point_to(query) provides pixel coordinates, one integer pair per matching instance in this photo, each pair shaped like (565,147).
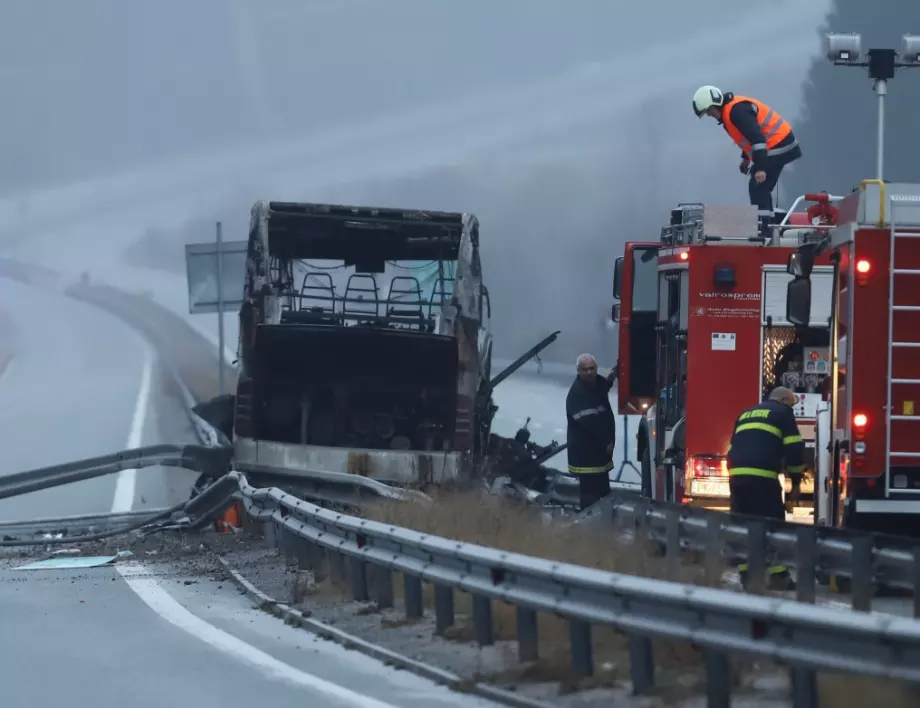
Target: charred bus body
(709,300)
(365,349)
(364,339)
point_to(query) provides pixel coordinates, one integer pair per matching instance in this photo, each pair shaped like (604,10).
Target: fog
(839,125)
(566,128)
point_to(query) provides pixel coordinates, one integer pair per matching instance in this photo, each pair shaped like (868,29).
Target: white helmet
(706,97)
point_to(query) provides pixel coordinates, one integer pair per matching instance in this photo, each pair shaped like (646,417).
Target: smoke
(838,128)
(560,176)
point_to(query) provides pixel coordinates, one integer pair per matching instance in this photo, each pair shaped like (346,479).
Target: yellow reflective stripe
(752,472)
(591,470)
(789,439)
(772,570)
(766,427)
(795,469)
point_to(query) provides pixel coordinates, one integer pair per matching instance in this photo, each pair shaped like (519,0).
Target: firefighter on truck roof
(765,440)
(590,432)
(765,139)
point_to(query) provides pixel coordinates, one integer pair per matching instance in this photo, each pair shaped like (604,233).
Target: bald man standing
(591,432)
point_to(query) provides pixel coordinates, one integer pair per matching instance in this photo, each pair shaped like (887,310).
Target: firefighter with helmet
(765,138)
(766,440)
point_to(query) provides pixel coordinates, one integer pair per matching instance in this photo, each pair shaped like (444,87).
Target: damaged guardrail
(212,461)
(720,622)
(860,560)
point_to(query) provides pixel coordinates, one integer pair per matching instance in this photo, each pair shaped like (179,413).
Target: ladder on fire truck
(893,307)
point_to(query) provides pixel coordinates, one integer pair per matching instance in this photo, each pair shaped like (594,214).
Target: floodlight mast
(845,50)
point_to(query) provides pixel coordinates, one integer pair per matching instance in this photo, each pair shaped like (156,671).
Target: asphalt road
(81,384)
(164,638)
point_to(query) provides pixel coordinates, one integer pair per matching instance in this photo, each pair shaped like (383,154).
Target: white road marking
(125,483)
(161,602)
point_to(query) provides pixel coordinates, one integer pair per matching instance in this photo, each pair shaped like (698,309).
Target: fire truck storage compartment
(362,387)
(775,279)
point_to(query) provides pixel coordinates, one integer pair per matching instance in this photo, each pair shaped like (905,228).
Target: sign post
(214,272)
(220,306)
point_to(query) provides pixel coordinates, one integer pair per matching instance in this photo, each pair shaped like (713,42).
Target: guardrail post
(482,620)
(806,558)
(358,579)
(672,544)
(303,553)
(713,553)
(582,649)
(527,635)
(270,534)
(640,523)
(804,688)
(336,567)
(916,581)
(757,557)
(862,573)
(718,679)
(412,596)
(641,664)
(443,609)
(383,587)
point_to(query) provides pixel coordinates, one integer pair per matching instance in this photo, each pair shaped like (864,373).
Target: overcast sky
(593,155)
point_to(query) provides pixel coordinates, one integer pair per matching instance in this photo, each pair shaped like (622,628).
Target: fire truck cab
(703,334)
(869,425)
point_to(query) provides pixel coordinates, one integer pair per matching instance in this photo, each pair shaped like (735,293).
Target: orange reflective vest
(771,123)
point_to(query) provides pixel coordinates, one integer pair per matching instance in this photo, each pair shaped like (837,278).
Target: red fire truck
(704,335)
(871,466)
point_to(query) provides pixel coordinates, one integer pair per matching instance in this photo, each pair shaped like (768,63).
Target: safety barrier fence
(861,563)
(721,623)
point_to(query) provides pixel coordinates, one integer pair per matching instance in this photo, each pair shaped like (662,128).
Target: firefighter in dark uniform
(766,440)
(591,431)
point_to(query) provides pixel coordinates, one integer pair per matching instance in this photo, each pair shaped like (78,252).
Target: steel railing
(808,638)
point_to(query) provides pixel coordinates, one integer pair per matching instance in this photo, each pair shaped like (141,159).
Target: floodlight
(911,53)
(843,48)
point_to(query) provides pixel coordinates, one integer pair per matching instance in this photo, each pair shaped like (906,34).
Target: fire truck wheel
(644,454)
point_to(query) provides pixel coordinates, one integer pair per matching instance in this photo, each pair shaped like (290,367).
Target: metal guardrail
(807,637)
(208,460)
(817,553)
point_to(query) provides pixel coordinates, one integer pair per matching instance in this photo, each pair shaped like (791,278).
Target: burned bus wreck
(364,345)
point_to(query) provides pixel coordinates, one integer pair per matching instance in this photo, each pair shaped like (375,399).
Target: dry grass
(837,691)
(491,521)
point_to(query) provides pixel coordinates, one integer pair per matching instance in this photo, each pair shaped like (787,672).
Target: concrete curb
(296,618)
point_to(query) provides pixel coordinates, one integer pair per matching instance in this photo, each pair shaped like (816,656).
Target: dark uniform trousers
(765,440)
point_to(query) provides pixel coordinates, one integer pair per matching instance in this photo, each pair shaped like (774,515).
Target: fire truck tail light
(860,420)
(859,448)
(709,467)
(863,266)
(684,255)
